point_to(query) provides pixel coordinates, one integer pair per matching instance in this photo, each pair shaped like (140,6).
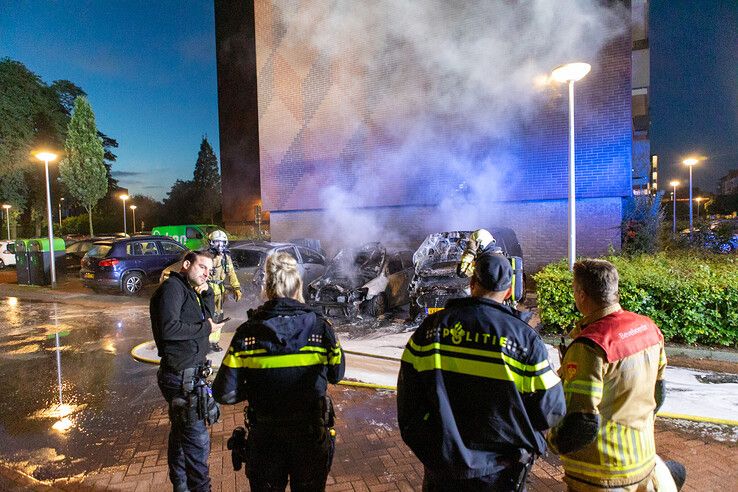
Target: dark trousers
(503,481)
(300,454)
(189,440)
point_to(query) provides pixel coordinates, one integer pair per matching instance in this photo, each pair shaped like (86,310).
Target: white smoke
(444,86)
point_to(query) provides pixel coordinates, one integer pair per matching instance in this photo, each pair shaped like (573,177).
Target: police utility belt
(196,401)
(322,415)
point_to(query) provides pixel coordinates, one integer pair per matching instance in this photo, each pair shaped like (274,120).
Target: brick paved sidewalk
(370,456)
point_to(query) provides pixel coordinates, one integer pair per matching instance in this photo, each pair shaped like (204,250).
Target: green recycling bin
(40,259)
(22,262)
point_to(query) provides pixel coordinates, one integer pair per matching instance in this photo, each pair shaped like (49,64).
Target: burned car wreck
(435,280)
(365,281)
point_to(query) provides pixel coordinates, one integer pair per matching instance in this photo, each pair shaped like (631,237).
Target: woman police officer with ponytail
(281,360)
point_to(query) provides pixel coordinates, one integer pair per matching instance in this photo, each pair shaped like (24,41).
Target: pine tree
(82,169)
(207,181)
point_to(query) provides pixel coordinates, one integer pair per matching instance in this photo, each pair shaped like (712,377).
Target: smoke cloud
(442,88)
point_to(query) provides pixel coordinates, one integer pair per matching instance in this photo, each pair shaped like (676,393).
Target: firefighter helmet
(483,238)
(218,241)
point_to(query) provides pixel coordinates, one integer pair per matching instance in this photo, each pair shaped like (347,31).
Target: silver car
(249,259)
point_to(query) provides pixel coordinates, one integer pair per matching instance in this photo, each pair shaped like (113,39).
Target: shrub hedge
(692,297)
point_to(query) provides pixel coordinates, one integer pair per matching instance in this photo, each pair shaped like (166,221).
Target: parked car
(74,252)
(127,264)
(435,280)
(368,280)
(249,259)
(7,253)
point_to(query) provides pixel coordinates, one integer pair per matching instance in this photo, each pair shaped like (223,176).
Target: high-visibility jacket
(222,269)
(280,360)
(611,370)
(475,387)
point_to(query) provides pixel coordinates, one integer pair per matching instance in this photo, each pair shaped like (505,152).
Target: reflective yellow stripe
(582,387)
(307,356)
(662,358)
(512,260)
(334,358)
(276,361)
(482,353)
(490,370)
(603,471)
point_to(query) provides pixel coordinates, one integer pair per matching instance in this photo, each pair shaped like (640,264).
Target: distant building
(645,166)
(729,183)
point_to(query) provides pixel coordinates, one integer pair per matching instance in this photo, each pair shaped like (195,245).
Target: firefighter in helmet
(479,241)
(222,269)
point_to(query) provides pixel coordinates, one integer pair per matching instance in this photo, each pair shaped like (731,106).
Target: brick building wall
(315,125)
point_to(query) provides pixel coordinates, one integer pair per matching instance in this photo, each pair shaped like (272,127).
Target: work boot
(678,473)
(214,347)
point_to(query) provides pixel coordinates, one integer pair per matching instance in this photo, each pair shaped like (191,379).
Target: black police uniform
(474,392)
(179,321)
(281,360)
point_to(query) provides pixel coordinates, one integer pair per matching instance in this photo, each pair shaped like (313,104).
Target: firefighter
(479,242)
(181,312)
(281,360)
(475,391)
(613,373)
(222,269)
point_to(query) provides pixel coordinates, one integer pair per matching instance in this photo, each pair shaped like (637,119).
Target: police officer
(475,389)
(613,373)
(181,312)
(222,269)
(281,360)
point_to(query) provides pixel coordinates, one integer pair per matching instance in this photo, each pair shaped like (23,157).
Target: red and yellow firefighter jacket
(611,369)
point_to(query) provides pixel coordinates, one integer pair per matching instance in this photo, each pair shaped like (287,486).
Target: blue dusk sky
(148,68)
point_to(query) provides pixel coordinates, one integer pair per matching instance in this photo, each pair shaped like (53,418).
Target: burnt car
(435,280)
(369,280)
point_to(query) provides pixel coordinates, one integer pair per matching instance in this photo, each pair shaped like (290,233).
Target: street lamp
(674,184)
(124,198)
(60,207)
(48,157)
(570,73)
(7,217)
(690,162)
(133,209)
(698,200)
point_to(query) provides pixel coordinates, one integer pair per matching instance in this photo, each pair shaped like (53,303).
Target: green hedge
(692,297)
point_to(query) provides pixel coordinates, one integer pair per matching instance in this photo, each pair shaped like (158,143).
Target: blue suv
(128,264)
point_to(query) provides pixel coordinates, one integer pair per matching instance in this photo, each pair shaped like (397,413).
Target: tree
(178,207)
(82,169)
(206,182)
(30,115)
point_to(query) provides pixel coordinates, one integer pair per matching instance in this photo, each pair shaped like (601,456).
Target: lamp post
(7,217)
(60,207)
(133,210)
(690,164)
(124,198)
(698,200)
(674,184)
(570,73)
(47,157)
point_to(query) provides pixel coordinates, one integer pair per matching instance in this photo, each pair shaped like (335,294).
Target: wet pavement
(69,385)
(78,412)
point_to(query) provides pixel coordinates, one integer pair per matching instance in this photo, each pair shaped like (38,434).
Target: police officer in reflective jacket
(181,312)
(475,390)
(281,360)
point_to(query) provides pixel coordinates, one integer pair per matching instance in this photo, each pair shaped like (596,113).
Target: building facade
(327,144)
